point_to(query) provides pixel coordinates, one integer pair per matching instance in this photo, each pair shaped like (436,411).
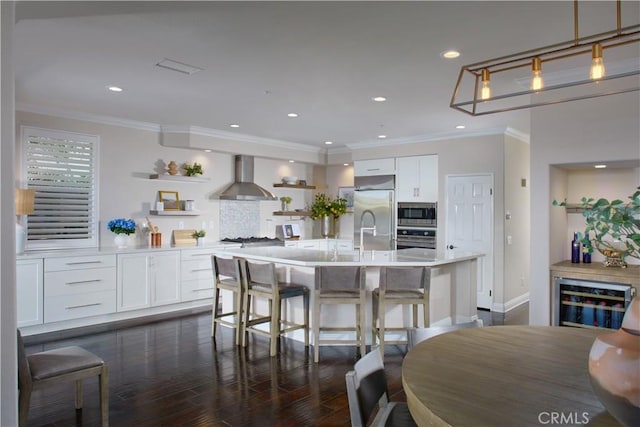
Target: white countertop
(109,250)
(313,258)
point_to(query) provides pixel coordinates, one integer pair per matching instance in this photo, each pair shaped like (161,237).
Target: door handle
(451,247)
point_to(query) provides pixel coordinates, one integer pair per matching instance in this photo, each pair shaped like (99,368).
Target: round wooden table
(503,376)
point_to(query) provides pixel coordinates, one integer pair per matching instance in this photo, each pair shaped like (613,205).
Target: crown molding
(88,117)
(232,136)
(436,137)
(524,137)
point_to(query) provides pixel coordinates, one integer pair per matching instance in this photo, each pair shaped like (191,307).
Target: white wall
(8,316)
(602,130)
(128,156)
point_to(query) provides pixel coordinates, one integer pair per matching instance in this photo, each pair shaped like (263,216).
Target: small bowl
(290,179)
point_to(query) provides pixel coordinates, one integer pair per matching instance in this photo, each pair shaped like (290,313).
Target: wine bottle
(575,249)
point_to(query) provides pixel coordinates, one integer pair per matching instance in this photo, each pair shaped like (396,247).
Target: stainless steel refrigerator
(374,205)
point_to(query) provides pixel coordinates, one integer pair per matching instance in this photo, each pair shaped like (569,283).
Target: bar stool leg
(275,325)
(381,318)
(239,313)
(361,308)
(374,318)
(316,327)
(306,299)
(214,311)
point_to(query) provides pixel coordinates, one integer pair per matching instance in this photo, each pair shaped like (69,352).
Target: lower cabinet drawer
(66,307)
(197,270)
(79,281)
(192,290)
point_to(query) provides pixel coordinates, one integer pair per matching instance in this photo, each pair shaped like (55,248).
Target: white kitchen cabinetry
(197,273)
(374,167)
(342,245)
(148,279)
(79,287)
(29,275)
(417,179)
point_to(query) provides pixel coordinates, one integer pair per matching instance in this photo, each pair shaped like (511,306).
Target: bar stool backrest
(397,278)
(261,274)
(339,278)
(229,268)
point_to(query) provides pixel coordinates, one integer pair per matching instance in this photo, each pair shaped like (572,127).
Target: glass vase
(327,226)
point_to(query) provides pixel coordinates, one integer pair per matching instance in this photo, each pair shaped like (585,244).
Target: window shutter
(61,168)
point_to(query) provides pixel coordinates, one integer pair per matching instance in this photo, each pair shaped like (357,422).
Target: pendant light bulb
(536,78)
(597,65)
(485,91)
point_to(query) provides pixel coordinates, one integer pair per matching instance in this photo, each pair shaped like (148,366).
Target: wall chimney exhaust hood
(243,187)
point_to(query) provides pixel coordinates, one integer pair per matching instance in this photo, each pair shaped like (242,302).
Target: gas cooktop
(255,241)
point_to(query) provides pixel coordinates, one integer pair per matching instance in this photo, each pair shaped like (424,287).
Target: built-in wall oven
(417,222)
(420,237)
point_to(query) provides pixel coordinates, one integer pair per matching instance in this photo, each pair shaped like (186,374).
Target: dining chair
(260,281)
(416,335)
(399,286)
(59,365)
(226,275)
(367,390)
(339,285)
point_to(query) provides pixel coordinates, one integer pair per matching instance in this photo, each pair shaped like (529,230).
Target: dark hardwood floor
(171,373)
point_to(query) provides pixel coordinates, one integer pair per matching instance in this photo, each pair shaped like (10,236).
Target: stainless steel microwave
(417,214)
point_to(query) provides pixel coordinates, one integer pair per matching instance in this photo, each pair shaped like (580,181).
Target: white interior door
(469,213)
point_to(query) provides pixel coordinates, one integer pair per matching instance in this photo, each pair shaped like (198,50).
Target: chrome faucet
(362,229)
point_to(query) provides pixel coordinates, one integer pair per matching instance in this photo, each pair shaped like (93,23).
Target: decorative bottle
(575,249)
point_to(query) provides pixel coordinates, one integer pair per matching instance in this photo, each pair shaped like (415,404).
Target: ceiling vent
(180,67)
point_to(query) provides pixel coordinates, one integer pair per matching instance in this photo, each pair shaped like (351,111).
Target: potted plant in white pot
(199,236)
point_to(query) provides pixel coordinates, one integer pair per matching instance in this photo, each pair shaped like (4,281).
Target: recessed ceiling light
(345,164)
(382,136)
(450,54)
(292,161)
(328,142)
(600,166)
(234,125)
(460,127)
(379,98)
(207,151)
(292,115)
(114,88)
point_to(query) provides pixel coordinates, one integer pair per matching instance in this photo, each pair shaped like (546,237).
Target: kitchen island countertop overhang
(316,258)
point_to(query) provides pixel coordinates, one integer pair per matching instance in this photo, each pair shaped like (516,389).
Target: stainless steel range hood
(244,188)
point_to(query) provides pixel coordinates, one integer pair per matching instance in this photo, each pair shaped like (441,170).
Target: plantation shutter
(61,168)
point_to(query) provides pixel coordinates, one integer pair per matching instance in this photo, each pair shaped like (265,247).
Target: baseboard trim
(40,338)
(511,304)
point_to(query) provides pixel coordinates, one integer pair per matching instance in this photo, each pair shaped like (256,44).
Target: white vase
(200,241)
(121,240)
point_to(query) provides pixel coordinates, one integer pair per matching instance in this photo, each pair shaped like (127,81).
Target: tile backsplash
(239,219)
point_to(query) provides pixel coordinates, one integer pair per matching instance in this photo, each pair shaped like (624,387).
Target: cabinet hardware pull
(201,269)
(82,306)
(83,281)
(195,255)
(83,262)
(374,169)
(201,289)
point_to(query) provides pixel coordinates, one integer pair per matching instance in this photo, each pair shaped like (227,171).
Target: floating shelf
(574,208)
(307,187)
(180,178)
(174,213)
(292,213)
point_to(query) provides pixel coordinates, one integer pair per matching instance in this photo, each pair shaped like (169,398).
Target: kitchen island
(453,279)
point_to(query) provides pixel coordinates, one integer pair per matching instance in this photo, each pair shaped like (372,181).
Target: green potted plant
(612,227)
(285,202)
(194,169)
(199,236)
(328,210)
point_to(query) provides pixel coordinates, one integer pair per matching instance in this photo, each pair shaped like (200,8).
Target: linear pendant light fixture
(566,71)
